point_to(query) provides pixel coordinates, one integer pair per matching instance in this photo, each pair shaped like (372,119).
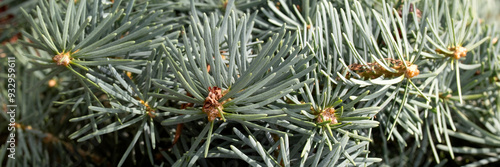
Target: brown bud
(62,59)
(460,52)
(211,106)
(412,71)
(327,115)
(375,70)
(52,83)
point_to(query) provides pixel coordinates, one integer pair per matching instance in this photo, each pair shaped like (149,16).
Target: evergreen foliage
(250,83)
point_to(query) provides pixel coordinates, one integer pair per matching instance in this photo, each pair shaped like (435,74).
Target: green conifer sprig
(485,140)
(76,38)
(243,84)
(450,43)
(325,94)
(130,105)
